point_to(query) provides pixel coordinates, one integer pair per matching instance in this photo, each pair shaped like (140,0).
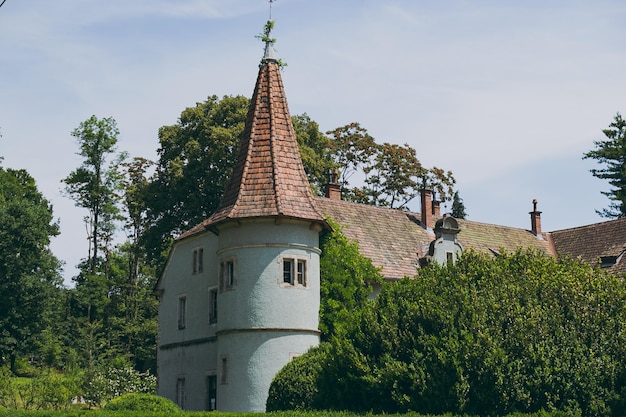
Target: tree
(458,208)
(93,185)
(196,156)
(351,148)
(29,273)
(134,307)
(392,180)
(391,174)
(612,153)
(346,279)
(314,151)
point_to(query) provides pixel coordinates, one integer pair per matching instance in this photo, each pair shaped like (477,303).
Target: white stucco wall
(190,352)
(194,363)
(262,322)
(254,358)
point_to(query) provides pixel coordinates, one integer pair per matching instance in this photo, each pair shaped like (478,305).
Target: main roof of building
(395,239)
(600,242)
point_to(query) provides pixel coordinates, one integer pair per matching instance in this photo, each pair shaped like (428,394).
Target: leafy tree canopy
(611,152)
(391,174)
(29,273)
(347,279)
(94,184)
(196,156)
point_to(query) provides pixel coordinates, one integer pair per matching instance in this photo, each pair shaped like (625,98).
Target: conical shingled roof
(268,179)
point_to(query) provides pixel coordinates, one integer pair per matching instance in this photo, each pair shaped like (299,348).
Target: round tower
(267,229)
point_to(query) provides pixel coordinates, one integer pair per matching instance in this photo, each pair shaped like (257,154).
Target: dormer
(445,249)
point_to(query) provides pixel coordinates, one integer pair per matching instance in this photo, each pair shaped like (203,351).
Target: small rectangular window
(227,274)
(180,392)
(197,261)
(182,312)
(212,306)
(450,258)
(288,271)
(301,273)
(224,377)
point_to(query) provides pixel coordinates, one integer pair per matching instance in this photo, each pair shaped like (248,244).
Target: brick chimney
(427,207)
(333,189)
(535,220)
(436,208)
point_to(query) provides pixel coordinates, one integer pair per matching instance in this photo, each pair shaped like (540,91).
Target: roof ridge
(586,226)
(274,156)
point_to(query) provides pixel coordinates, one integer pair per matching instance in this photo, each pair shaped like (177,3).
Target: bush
(295,386)
(107,383)
(487,336)
(142,402)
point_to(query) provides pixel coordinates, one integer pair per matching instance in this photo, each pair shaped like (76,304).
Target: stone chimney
(333,189)
(427,207)
(535,220)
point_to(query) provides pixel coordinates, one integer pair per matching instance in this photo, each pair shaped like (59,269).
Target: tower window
(224,377)
(294,272)
(301,272)
(288,271)
(227,274)
(212,391)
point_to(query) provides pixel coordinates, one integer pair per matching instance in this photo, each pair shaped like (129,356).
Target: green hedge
(104,413)
(487,336)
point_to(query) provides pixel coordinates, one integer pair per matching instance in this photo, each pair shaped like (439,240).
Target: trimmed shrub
(295,385)
(142,402)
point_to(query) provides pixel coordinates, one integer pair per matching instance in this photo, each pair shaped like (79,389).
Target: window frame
(450,258)
(182,312)
(294,272)
(213,312)
(197,260)
(227,274)
(224,367)
(180,391)
(288,271)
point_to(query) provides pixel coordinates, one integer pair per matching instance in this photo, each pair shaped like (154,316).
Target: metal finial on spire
(269,41)
(269,52)
(270,2)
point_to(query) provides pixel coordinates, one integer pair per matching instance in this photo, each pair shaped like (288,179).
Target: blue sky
(506,94)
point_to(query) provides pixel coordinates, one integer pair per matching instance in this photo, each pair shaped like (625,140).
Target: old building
(240,294)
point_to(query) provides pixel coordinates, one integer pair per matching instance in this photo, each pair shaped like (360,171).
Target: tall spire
(268,179)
